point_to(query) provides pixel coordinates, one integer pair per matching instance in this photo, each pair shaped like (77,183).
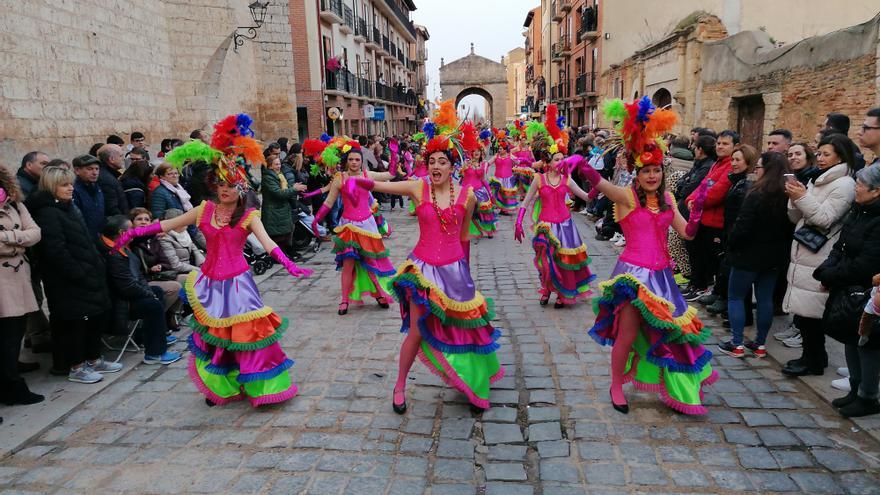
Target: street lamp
(258,14)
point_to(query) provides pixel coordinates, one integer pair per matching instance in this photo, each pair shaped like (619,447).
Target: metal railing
(386,45)
(334,6)
(392,49)
(348,17)
(589,21)
(377,37)
(343,80)
(402,16)
(361,28)
(585,83)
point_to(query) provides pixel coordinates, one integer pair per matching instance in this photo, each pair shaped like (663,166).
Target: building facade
(515,62)
(418,55)
(368,73)
(536,88)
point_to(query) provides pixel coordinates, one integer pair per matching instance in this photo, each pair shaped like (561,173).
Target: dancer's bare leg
(628,322)
(408,351)
(347,282)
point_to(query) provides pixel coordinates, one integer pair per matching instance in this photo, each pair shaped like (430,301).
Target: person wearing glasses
(137,140)
(869,134)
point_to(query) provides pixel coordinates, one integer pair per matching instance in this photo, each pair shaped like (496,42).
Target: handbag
(811,238)
(843,310)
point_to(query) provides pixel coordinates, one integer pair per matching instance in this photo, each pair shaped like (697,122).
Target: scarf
(283,180)
(180,192)
(181,238)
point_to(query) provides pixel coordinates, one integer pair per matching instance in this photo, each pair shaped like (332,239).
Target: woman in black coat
(757,246)
(135,181)
(74,278)
(849,268)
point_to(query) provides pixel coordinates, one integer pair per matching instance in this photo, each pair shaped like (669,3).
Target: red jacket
(713,208)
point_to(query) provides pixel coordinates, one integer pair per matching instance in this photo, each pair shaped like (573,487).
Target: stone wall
(73,72)
(799,84)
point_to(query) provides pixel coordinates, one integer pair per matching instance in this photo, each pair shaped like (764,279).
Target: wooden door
(750,120)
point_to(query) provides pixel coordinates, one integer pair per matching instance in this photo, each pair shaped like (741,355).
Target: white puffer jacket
(828,199)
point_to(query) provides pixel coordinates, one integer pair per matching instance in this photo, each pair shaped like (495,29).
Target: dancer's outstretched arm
(187,219)
(614,193)
(525,207)
(406,188)
(256,226)
(577,191)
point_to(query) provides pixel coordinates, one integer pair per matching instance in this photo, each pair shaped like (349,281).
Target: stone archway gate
(474,74)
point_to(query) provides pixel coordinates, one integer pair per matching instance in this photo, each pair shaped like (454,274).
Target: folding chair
(129,345)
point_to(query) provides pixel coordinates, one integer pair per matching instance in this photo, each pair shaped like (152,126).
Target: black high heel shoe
(399,409)
(209,402)
(383,303)
(544,300)
(558,304)
(343,308)
(622,408)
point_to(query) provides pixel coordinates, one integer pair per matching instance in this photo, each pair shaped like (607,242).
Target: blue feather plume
(646,108)
(429,129)
(243,122)
(325,138)
(560,121)
(485,134)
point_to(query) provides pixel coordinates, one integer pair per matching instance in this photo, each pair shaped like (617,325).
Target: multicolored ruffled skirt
(362,242)
(505,193)
(562,261)
(234,349)
(523,176)
(668,356)
(458,340)
(381,224)
(484,217)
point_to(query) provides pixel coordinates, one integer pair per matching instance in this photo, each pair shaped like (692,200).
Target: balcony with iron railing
(589,24)
(360,30)
(392,50)
(331,11)
(386,44)
(555,13)
(585,85)
(561,49)
(565,5)
(347,26)
(402,16)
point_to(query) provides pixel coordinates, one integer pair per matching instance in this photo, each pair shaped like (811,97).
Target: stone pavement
(551,429)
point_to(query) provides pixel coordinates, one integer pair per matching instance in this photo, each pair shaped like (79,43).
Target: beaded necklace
(440,213)
(222,217)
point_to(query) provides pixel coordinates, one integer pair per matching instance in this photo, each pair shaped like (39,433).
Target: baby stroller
(258,259)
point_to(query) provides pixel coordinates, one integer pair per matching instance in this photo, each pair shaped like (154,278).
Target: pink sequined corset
(439,245)
(356,209)
(646,233)
(553,208)
(471,178)
(225,258)
(503,167)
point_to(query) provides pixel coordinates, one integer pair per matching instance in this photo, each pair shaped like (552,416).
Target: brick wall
(74,72)
(798,99)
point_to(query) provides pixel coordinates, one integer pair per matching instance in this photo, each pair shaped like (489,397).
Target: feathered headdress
(446,134)
(558,140)
(231,142)
(639,124)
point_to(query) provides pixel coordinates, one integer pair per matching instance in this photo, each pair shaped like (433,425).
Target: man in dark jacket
(704,157)
(29,173)
(132,297)
(87,196)
(112,158)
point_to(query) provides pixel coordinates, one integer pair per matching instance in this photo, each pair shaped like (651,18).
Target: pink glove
(584,169)
(291,267)
(518,232)
(322,212)
(393,157)
(593,194)
(353,183)
(693,224)
(128,235)
(307,195)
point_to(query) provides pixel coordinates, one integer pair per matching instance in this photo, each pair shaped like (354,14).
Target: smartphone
(789,177)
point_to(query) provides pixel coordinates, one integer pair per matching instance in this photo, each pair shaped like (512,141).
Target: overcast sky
(494,26)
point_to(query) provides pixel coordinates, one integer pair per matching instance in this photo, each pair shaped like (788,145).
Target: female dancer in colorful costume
(446,319)
(560,255)
(361,255)
(234,349)
(503,183)
(473,175)
(656,337)
(524,160)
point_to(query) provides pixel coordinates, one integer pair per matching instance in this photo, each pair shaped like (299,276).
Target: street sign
(369,111)
(524,109)
(379,113)
(334,113)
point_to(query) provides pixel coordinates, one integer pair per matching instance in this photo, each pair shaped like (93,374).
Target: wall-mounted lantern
(258,14)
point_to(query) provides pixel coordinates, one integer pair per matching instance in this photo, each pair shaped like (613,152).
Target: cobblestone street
(551,429)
